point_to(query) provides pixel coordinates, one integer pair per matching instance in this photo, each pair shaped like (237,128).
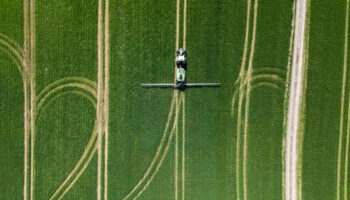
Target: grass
(323,99)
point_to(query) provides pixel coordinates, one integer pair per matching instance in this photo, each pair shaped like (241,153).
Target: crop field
(76,124)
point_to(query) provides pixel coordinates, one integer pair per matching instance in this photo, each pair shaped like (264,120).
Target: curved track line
(269,70)
(270,77)
(80,172)
(73,79)
(246,115)
(13,42)
(52,91)
(265,83)
(165,151)
(10,49)
(16,62)
(93,135)
(143,179)
(67,85)
(341,126)
(81,160)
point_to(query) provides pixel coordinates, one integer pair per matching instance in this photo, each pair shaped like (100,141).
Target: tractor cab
(181,58)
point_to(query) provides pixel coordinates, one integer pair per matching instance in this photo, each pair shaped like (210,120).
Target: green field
(75,123)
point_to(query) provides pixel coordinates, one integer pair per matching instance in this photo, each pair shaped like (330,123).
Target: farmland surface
(75,123)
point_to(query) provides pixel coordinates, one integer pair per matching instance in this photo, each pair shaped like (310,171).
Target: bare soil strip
(26,103)
(31,62)
(183,146)
(184,25)
(106,97)
(294,106)
(99,109)
(341,126)
(176,160)
(246,116)
(240,92)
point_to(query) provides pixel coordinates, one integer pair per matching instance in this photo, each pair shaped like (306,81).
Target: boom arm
(203,84)
(161,85)
(173,85)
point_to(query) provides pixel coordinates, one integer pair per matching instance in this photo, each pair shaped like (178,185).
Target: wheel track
(341,125)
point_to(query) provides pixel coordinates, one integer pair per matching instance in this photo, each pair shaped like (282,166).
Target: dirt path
(294,106)
(285,103)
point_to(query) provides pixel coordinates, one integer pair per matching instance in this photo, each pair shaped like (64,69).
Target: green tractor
(180,77)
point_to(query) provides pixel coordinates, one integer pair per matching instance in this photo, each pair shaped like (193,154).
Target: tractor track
(341,125)
(148,176)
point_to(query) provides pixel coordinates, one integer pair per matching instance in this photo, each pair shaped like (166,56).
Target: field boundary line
(286,95)
(341,126)
(301,128)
